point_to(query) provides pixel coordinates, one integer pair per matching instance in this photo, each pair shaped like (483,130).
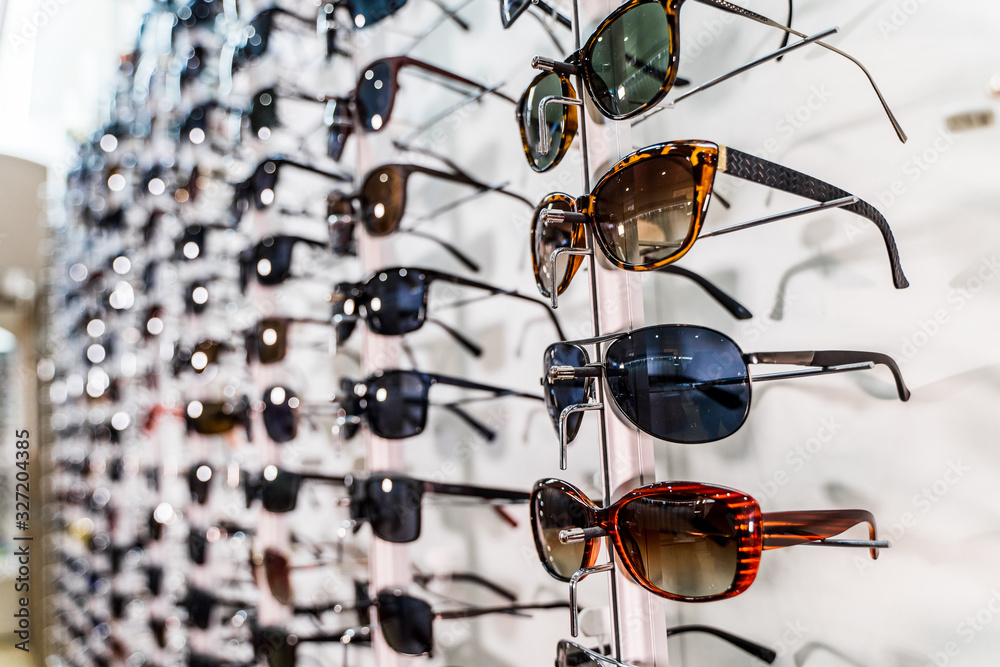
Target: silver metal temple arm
(729,7)
(563,420)
(558,252)
(544,140)
(822,206)
(826,370)
(739,70)
(862,544)
(574,609)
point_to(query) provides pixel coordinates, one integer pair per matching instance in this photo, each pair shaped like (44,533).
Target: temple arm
(468,384)
(468,577)
(754,649)
(830,359)
(751,168)
(427,67)
(483,611)
(466,179)
(337,176)
(729,303)
(786,529)
(470,491)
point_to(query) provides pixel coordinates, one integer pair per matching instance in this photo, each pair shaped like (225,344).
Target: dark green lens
(548,85)
(630,61)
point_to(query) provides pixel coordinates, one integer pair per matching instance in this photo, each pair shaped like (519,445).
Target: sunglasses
(199,356)
(407,622)
(571,654)
(257,35)
(270,259)
(198,478)
(381,202)
(369,106)
(217,417)
(648,210)
(198,539)
(267,341)
(391,503)
(680,383)
(263,113)
(628,66)
(394,302)
(394,403)
(200,604)
(679,540)
(280,648)
(259,188)
(511,10)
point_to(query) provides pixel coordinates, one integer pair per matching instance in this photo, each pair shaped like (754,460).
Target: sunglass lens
(393,507)
(631,60)
(211,417)
(401,298)
(344,300)
(683,543)
(397,404)
(258,34)
(375,93)
(197,547)
(278,576)
(407,623)
(263,181)
(281,493)
(272,259)
(280,421)
(351,407)
(550,122)
(264,112)
(561,394)
(554,510)
(679,383)
(270,340)
(509,10)
(548,237)
(383,196)
(645,212)
(198,477)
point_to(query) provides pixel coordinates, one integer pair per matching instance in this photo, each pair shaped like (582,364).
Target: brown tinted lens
(683,544)
(553,511)
(278,576)
(383,196)
(645,212)
(214,417)
(547,238)
(271,340)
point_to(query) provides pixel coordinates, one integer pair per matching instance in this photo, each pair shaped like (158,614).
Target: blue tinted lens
(369,12)
(375,93)
(561,394)
(679,383)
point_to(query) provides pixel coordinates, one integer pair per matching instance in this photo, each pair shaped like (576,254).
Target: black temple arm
(729,303)
(754,649)
(480,428)
(467,577)
(468,384)
(483,611)
(828,358)
(470,491)
(755,169)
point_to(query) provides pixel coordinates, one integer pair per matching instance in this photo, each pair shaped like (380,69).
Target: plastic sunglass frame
(822,362)
(579,63)
(706,159)
(754,530)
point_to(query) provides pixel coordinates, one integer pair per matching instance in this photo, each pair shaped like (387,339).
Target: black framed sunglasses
(267,341)
(394,302)
(199,477)
(407,622)
(394,404)
(269,260)
(392,503)
(198,357)
(679,383)
(200,604)
(259,188)
(571,654)
(256,38)
(217,417)
(649,209)
(628,66)
(280,648)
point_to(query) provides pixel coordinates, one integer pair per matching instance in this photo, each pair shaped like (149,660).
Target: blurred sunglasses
(217,417)
(394,403)
(198,478)
(683,541)
(199,356)
(680,383)
(380,204)
(270,259)
(280,649)
(191,244)
(648,210)
(511,10)
(256,38)
(394,302)
(259,188)
(571,654)
(200,604)
(267,341)
(407,622)
(391,503)
(198,539)
(369,106)
(628,66)
(263,114)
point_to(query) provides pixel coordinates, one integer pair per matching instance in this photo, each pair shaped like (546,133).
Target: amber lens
(278,576)
(682,543)
(554,510)
(630,61)
(546,238)
(548,85)
(383,196)
(645,212)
